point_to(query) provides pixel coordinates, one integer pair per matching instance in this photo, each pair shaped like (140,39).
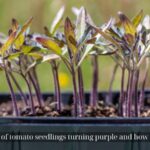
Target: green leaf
(81,24)
(86,52)
(25,26)
(57,21)
(104,50)
(107,37)
(127,24)
(13,56)
(46,58)
(137,19)
(31,49)
(26,49)
(19,42)
(20,36)
(56,39)
(47,32)
(15,25)
(8,43)
(90,43)
(35,55)
(50,44)
(70,36)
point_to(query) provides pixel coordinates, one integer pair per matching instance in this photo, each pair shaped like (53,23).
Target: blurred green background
(44,11)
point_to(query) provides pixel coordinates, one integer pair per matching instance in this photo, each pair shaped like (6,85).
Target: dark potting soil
(50,110)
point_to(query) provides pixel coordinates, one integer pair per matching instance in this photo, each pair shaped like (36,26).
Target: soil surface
(50,110)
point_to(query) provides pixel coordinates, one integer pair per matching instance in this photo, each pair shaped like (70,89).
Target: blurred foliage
(44,11)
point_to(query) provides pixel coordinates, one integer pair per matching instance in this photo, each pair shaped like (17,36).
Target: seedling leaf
(8,43)
(47,33)
(146,22)
(15,25)
(137,19)
(50,44)
(31,49)
(70,36)
(81,24)
(46,58)
(13,56)
(127,24)
(87,50)
(20,37)
(57,21)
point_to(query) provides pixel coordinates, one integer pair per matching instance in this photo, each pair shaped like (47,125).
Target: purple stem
(57,85)
(94,93)
(135,92)
(31,102)
(75,93)
(130,94)
(81,91)
(74,82)
(13,97)
(19,88)
(30,95)
(126,94)
(41,104)
(122,94)
(141,99)
(37,84)
(109,100)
